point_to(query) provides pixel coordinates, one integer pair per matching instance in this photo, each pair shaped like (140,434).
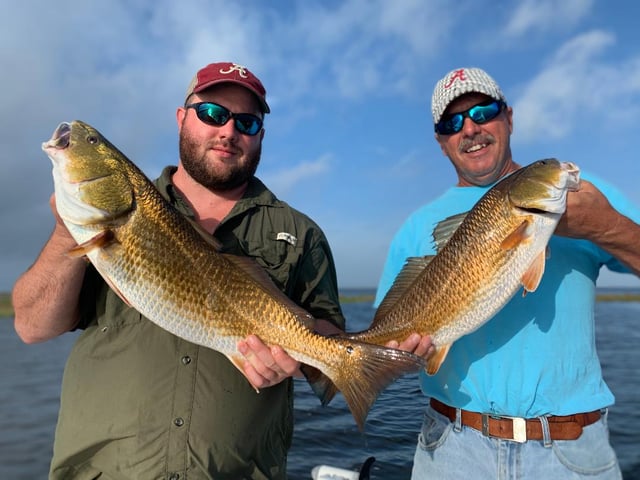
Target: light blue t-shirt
(537,356)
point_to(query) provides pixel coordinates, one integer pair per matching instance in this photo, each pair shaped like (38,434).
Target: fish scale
(173,274)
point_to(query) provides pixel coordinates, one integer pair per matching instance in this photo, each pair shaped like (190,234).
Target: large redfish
(483,258)
(126,229)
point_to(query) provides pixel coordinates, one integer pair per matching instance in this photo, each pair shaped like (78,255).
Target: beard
(198,168)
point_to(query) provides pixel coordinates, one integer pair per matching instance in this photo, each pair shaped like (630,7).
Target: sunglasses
(217,115)
(480,114)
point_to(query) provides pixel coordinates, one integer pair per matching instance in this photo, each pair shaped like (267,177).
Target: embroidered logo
(287,237)
(234,67)
(457,75)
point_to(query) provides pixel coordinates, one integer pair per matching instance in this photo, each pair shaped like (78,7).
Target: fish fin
(101,240)
(250,267)
(368,373)
(210,239)
(119,293)
(320,383)
(515,238)
(445,229)
(531,278)
(238,362)
(435,361)
(413,267)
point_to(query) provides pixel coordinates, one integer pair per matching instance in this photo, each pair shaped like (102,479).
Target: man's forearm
(45,297)
(623,242)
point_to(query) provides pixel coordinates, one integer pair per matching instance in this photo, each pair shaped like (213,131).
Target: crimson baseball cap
(227,72)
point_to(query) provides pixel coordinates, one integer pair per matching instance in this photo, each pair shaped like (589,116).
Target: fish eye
(92,139)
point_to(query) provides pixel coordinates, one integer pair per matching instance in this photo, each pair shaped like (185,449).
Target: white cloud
(283,181)
(576,88)
(535,16)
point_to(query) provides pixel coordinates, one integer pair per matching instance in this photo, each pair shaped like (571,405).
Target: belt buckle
(518,424)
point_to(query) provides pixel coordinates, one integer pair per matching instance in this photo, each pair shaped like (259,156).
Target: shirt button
(186,360)
(174,476)
(178,422)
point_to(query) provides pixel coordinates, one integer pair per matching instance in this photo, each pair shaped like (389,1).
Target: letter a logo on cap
(457,75)
(234,67)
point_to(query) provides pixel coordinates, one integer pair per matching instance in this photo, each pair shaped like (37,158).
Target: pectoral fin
(435,361)
(515,238)
(531,278)
(101,240)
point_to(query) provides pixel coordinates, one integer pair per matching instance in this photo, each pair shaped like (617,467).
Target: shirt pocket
(435,430)
(116,328)
(276,256)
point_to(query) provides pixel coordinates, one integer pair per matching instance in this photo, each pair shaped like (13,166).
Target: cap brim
(263,104)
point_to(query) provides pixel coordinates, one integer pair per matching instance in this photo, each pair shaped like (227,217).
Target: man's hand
(589,214)
(416,344)
(266,366)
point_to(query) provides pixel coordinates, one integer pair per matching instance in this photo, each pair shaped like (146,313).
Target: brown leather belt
(568,427)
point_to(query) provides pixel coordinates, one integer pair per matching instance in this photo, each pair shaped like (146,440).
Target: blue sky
(349,140)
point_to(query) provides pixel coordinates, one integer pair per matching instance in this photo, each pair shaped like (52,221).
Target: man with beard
(139,402)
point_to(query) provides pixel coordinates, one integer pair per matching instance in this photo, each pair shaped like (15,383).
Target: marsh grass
(6,310)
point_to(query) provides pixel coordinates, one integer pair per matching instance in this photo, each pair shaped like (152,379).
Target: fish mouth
(573,176)
(60,139)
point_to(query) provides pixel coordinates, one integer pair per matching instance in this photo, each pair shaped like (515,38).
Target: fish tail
(365,375)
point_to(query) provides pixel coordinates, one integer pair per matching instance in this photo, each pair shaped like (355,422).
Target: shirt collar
(256,194)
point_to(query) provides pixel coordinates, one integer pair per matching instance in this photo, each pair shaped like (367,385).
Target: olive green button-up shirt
(140,403)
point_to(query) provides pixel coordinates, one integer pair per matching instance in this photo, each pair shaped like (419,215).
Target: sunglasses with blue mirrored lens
(480,114)
(217,115)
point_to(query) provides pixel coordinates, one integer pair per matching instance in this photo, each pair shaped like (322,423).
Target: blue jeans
(448,450)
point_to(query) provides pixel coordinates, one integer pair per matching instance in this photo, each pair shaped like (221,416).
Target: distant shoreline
(6,310)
